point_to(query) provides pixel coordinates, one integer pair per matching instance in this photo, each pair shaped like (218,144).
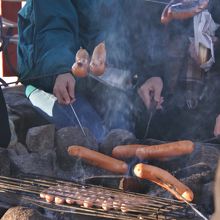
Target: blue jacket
(50,33)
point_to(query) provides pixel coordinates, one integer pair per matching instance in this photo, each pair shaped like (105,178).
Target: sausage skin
(98,159)
(98,60)
(182,9)
(172,149)
(164,179)
(81,66)
(126,151)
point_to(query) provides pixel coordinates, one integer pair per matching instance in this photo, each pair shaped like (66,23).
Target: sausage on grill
(98,159)
(172,149)
(126,151)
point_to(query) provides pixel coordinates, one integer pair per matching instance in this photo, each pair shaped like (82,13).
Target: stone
(33,163)
(205,153)
(116,137)
(21,111)
(23,213)
(14,138)
(18,148)
(40,139)
(68,136)
(5,163)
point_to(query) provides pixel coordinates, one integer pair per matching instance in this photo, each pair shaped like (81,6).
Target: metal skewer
(188,203)
(77,118)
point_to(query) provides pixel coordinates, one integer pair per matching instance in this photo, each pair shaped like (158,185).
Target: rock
(205,153)
(14,139)
(68,136)
(22,213)
(40,139)
(205,198)
(33,163)
(21,111)
(4,162)
(116,137)
(18,148)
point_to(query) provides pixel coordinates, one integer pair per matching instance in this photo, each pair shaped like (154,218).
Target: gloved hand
(64,88)
(152,89)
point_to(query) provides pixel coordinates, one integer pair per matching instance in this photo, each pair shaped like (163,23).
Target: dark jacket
(50,33)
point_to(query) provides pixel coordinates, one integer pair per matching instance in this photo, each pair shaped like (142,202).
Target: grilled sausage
(49,198)
(70,201)
(172,149)
(98,60)
(59,200)
(182,9)
(81,66)
(97,159)
(126,151)
(164,179)
(107,204)
(88,202)
(42,195)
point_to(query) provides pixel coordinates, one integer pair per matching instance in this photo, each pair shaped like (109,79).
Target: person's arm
(91,22)
(48,41)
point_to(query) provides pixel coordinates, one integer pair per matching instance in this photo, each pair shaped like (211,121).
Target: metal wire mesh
(149,208)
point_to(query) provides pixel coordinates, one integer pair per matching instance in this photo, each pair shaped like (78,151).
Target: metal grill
(150,208)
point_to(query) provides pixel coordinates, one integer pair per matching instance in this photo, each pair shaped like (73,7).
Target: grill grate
(149,208)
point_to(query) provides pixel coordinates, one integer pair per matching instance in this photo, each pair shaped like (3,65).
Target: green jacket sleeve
(49,37)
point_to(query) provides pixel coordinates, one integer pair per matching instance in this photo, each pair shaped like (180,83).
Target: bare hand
(64,88)
(217,126)
(153,86)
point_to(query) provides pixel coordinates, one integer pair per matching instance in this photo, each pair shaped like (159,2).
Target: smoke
(137,42)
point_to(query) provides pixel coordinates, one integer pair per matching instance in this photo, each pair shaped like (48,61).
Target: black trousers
(5,134)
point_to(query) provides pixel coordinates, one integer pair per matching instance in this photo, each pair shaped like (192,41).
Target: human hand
(217,126)
(151,91)
(64,88)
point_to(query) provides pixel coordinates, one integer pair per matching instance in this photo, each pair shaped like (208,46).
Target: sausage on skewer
(98,60)
(164,179)
(81,66)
